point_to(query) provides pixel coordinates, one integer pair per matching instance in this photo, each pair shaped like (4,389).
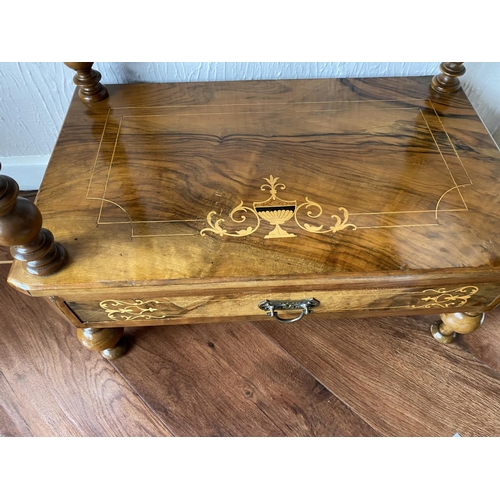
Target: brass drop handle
(273,306)
(274,314)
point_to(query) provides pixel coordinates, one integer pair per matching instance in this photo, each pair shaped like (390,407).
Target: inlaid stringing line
(131,222)
(413,211)
(102,200)
(247,112)
(396,225)
(148,221)
(330,110)
(163,235)
(443,195)
(98,152)
(219,105)
(109,170)
(451,142)
(262,104)
(445,162)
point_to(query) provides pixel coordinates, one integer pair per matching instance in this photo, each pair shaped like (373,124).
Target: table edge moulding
(100,310)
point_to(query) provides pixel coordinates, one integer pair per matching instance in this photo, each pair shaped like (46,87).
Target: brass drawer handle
(273,306)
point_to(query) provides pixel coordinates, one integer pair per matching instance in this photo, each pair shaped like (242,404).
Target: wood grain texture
(396,376)
(12,423)
(388,374)
(229,380)
(52,386)
(390,151)
(485,344)
(5,257)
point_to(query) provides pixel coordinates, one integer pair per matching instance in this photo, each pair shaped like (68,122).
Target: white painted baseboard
(28,171)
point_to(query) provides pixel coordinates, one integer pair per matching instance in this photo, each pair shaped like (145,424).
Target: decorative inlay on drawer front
(129,310)
(441,297)
(156,309)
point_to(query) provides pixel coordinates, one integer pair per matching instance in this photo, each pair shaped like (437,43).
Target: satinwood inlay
(277,211)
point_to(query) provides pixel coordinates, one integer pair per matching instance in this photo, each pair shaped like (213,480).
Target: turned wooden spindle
(445,331)
(447,81)
(21,229)
(88,81)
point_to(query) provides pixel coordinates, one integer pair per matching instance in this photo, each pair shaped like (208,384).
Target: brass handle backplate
(273,306)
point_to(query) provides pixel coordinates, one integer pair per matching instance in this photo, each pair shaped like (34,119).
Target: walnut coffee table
(262,200)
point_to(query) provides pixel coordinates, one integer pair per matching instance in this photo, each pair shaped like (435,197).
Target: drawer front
(160,310)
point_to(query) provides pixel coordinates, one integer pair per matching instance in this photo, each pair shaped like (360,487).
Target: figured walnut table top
(271,183)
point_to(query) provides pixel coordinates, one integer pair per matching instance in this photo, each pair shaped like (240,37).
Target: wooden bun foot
(442,338)
(106,340)
(445,331)
(115,352)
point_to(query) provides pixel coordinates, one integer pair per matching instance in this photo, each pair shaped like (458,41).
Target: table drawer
(163,309)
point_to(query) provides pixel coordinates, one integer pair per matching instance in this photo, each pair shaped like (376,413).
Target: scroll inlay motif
(441,297)
(277,211)
(131,310)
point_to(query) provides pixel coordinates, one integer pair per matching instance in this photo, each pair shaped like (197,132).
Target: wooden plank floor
(339,377)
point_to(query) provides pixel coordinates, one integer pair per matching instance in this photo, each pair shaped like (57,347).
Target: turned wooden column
(21,229)
(445,331)
(90,89)
(447,81)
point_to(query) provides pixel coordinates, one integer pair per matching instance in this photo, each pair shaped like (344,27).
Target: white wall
(34,97)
